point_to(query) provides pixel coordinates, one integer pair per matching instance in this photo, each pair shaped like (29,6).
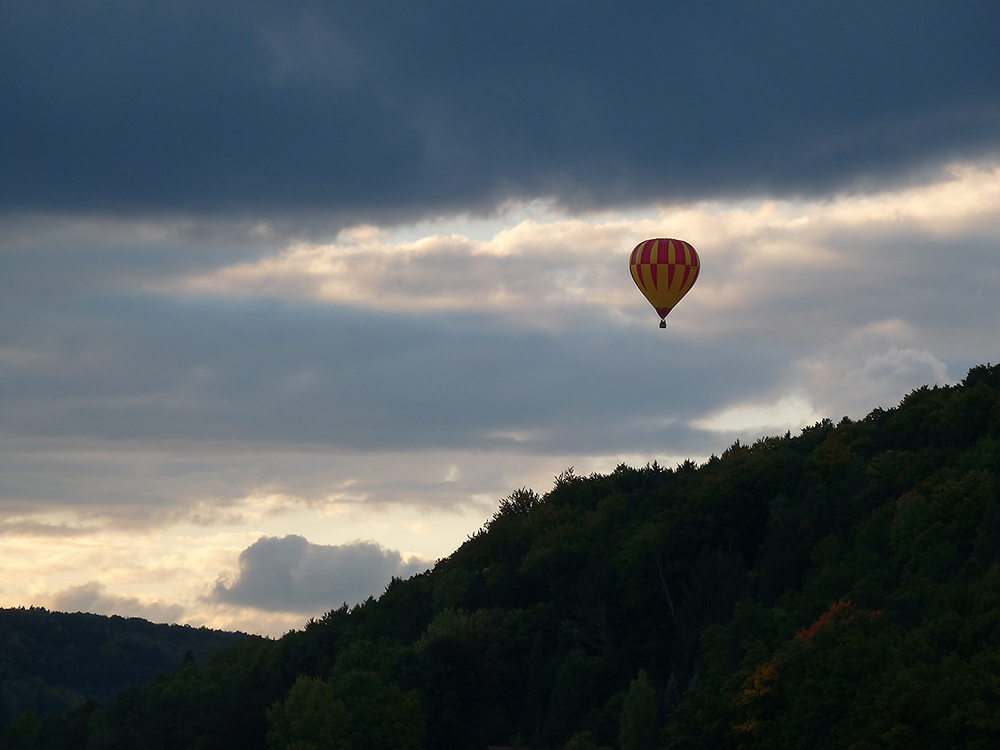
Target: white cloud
(787,413)
(528,268)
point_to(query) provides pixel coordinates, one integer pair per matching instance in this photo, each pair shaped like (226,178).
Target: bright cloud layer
(754,258)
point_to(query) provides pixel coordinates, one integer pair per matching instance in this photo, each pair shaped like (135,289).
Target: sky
(293,293)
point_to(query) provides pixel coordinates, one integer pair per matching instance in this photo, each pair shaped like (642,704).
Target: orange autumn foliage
(841,611)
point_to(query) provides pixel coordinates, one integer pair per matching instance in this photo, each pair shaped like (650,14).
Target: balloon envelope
(664,269)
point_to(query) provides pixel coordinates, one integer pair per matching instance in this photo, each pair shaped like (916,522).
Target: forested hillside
(838,588)
(50,661)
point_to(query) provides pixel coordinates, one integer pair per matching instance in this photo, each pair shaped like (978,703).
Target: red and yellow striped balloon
(664,270)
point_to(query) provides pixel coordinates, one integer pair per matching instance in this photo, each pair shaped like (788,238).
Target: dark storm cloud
(290,574)
(361,108)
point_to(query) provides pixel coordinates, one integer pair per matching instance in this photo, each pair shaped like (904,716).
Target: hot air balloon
(664,270)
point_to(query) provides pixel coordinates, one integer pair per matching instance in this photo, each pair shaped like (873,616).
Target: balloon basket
(663,324)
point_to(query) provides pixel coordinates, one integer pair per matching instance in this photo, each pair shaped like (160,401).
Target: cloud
(153,383)
(786,413)
(402,109)
(93,597)
(172,392)
(290,574)
(559,266)
(549,271)
(370,342)
(854,388)
(28,527)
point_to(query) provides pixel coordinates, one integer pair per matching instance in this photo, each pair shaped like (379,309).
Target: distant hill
(50,661)
(839,588)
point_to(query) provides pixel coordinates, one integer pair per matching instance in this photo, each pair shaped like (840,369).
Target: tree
(640,715)
(23,731)
(382,718)
(311,718)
